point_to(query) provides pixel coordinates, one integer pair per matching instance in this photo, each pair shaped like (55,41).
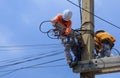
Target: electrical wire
(95,15)
(28,57)
(79,2)
(34,45)
(117,51)
(28,67)
(28,47)
(41,66)
(28,60)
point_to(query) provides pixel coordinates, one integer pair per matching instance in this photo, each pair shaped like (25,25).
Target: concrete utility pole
(87,24)
(89,67)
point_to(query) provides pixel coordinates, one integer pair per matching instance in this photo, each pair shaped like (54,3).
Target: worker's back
(104,35)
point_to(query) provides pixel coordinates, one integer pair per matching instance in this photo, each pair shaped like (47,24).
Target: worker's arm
(55,19)
(68,29)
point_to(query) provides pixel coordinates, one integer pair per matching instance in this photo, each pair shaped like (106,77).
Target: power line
(79,2)
(28,57)
(22,47)
(28,60)
(48,66)
(43,67)
(117,51)
(95,15)
(34,45)
(28,67)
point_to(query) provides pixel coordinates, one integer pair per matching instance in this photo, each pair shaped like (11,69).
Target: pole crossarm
(99,66)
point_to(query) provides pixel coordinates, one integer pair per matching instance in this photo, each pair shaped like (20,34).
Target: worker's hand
(53,23)
(67,33)
(63,34)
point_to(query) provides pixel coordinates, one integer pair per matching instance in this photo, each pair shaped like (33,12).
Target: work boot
(72,64)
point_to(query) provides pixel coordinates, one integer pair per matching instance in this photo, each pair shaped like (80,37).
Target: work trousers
(70,49)
(67,48)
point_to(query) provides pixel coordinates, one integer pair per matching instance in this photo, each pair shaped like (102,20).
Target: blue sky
(19,25)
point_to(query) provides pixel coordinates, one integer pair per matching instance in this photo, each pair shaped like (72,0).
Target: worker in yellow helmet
(103,43)
(64,20)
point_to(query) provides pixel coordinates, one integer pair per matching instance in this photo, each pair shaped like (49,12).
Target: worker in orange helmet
(103,43)
(64,20)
